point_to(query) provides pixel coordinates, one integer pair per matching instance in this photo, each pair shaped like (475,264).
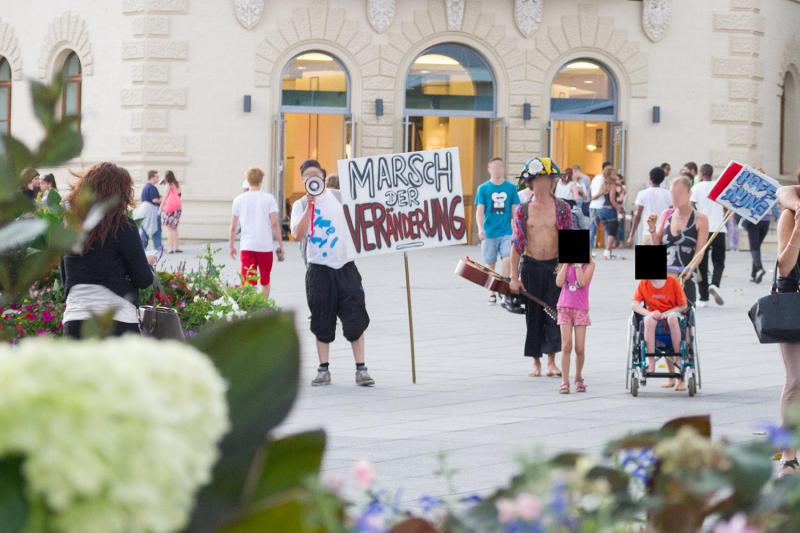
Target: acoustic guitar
(488,278)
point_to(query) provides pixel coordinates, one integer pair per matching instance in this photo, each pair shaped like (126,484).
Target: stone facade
(164,80)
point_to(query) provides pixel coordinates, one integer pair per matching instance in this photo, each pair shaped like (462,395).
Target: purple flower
(472,498)
(779,437)
(191,333)
(29,308)
(429,503)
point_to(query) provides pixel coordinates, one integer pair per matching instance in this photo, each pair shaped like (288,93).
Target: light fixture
(247,103)
(314,56)
(588,81)
(436,59)
(379,107)
(526,111)
(424,71)
(580,65)
(591,147)
(573,88)
(591,125)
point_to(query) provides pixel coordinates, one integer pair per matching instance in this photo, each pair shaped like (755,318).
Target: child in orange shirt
(661,302)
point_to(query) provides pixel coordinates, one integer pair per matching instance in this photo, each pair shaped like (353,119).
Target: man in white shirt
(715,214)
(333,283)
(654,199)
(597,203)
(256,213)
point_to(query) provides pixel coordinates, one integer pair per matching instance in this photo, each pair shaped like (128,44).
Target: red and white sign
(745,191)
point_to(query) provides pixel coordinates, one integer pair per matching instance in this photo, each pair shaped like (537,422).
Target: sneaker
(713,290)
(607,254)
(512,304)
(702,303)
(323,378)
(363,379)
(492,299)
(759,275)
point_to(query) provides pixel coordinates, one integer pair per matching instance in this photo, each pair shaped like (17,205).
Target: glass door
(618,146)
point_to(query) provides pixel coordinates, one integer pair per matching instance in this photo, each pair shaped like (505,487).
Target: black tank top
(680,247)
(790,283)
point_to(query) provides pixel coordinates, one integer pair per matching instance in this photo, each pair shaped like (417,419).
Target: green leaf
(751,468)
(20,232)
(13,504)
(19,158)
(45,98)
(287,463)
(286,515)
(260,360)
(62,143)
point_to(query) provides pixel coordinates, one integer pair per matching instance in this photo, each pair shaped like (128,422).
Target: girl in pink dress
(573,315)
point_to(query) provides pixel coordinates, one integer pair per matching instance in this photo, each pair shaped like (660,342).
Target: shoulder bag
(159,322)
(776,316)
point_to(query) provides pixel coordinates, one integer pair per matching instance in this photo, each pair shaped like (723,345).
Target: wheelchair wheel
(634,386)
(691,386)
(696,358)
(629,349)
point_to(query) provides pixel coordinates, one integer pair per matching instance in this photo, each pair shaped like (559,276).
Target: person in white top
(654,199)
(256,212)
(571,190)
(333,283)
(667,168)
(597,202)
(715,214)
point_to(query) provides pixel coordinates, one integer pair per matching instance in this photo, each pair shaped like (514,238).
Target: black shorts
(335,293)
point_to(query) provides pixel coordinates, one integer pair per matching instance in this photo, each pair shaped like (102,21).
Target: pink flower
(529,508)
(364,473)
(506,510)
(29,308)
(47,316)
(737,524)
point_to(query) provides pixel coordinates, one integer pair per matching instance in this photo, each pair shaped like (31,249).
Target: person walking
(256,212)
(171,209)
(691,168)
(715,250)
(596,203)
(333,282)
(570,189)
(665,184)
(50,198)
(789,281)
(111,267)
(682,229)
(586,182)
(608,214)
(653,199)
(495,201)
(148,211)
(573,319)
(622,192)
(534,256)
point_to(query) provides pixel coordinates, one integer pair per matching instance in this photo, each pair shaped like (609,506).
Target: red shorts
(256,264)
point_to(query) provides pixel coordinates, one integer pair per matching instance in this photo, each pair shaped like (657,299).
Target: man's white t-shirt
(597,185)
(709,208)
(525,195)
(330,244)
(653,200)
(564,190)
(254,209)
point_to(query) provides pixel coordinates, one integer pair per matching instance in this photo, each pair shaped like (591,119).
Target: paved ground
(473,399)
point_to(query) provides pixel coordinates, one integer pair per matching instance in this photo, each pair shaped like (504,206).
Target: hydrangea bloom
(116,435)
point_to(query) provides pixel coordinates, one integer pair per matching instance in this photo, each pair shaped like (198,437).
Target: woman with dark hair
(50,198)
(171,209)
(111,268)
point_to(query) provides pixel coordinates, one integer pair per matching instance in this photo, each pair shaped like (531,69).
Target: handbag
(159,322)
(776,316)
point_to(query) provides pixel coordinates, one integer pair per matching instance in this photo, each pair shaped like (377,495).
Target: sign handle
(684,276)
(410,321)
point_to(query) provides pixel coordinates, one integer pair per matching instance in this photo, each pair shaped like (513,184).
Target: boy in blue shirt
(495,202)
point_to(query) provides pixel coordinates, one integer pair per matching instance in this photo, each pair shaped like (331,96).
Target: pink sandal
(580,386)
(564,388)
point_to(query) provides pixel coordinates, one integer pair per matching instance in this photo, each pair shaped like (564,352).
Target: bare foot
(668,384)
(553,371)
(680,386)
(537,370)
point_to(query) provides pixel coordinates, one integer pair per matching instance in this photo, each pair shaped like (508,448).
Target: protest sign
(398,202)
(745,191)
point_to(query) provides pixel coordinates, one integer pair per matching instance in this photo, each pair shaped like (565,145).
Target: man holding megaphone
(333,283)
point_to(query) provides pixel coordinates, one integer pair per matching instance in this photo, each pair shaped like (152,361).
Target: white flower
(116,435)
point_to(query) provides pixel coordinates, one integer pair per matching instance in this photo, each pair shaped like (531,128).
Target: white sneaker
(702,303)
(607,254)
(713,290)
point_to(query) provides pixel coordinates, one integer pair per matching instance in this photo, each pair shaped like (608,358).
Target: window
(450,79)
(5,96)
(790,125)
(314,79)
(583,88)
(71,95)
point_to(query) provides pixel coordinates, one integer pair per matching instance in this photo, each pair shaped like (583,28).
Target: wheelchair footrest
(671,375)
(664,354)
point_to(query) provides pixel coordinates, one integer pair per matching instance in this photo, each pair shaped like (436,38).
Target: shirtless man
(535,246)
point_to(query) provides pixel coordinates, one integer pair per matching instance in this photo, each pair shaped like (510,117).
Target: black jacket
(119,264)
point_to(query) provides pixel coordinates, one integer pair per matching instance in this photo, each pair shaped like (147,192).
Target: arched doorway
(790,125)
(583,127)
(314,121)
(450,100)
(5,98)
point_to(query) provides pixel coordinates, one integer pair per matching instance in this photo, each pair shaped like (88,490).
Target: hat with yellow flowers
(539,166)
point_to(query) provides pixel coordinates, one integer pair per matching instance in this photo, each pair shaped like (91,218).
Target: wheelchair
(686,362)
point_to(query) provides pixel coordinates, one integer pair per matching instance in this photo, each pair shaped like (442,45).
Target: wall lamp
(379,107)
